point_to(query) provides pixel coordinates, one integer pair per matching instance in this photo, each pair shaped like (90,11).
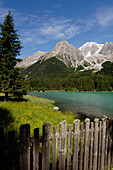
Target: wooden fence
(81,146)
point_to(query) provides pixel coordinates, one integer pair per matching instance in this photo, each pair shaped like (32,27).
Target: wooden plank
(62,145)
(36,150)
(46,146)
(86,151)
(54,165)
(81,147)
(106,144)
(69,147)
(99,149)
(91,147)
(25,147)
(103,143)
(95,143)
(75,144)
(110,144)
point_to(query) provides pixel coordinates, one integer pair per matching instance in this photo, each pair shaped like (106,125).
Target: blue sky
(43,23)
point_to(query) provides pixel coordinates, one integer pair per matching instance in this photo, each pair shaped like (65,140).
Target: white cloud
(59,28)
(104,16)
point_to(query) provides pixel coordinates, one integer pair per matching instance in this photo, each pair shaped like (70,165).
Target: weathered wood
(99,149)
(69,147)
(46,146)
(91,147)
(86,151)
(54,165)
(62,145)
(106,144)
(36,150)
(110,144)
(81,147)
(103,143)
(11,141)
(95,143)
(75,144)
(25,147)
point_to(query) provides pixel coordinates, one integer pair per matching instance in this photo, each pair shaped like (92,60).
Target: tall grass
(34,111)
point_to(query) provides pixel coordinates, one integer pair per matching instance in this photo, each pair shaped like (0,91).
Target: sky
(43,23)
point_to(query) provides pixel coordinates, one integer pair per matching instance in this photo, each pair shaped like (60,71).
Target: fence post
(62,146)
(54,165)
(81,146)
(103,143)
(46,146)
(95,144)
(91,147)
(75,144)
(86,151)
(36,150)
(25,147)
(69,147)
(11,142)
(110,144)
(99,149)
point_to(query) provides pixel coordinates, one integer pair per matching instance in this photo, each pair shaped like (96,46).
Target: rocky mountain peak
(107,49)
(90,48)
(27,61)
(66,53)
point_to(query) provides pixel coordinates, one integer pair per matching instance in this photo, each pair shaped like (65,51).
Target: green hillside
(49,68)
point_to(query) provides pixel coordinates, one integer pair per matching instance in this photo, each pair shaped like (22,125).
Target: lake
(89,103)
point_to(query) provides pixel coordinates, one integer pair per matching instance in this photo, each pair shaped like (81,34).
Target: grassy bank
(32,110)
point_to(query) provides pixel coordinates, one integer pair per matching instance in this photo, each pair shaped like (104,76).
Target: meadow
(31,110)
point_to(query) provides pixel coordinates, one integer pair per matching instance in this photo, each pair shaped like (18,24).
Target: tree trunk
(6,96)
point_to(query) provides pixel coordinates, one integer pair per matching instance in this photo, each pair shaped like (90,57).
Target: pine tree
(10,47)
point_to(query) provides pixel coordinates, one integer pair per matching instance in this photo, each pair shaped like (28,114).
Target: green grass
(34,111)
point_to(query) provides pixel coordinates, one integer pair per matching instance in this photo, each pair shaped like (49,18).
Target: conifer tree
(10,47)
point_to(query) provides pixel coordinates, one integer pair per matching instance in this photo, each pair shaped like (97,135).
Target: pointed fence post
(69,147)
(103,143)
(62,145)
(54,165)
(25,147)
(81,146)
(110,144)
(46,146)
(95,144)
(99,149)
(75,144)
(86,145)
(36,150)
(91,147)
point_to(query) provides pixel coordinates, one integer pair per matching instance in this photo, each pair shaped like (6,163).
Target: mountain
(107,49)
(90,48)
(66,53)
(90,56)
(49,68)
(96,54)
(27,61)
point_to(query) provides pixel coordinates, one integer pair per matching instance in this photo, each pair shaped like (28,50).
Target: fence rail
(81,146)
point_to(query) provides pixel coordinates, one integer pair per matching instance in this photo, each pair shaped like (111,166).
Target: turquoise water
(89,103)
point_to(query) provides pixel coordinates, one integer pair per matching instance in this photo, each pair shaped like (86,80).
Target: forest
(76,81)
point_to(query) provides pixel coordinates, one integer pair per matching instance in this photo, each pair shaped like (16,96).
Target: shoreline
(81,115)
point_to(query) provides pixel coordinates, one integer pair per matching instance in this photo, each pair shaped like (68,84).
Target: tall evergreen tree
(10,47)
